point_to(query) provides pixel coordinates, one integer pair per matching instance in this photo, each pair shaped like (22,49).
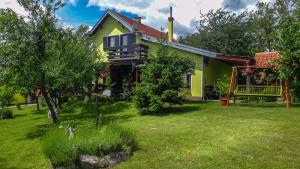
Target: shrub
(6,96)
(161,81)
(222,85)
(6,113)
(63,151)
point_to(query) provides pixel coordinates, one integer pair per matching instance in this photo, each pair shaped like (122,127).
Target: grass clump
(59,148)
(6,113)
(65,151)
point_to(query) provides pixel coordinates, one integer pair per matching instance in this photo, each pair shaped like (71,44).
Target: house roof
(266,59)
(132,25)
(149,34)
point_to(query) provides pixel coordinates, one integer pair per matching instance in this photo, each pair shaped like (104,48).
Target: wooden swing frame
(284,89)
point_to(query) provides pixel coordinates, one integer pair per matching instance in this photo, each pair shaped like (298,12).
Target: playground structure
(257,79)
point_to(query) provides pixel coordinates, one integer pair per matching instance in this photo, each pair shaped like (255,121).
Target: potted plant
(222,86)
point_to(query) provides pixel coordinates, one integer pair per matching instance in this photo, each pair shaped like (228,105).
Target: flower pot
(223,101)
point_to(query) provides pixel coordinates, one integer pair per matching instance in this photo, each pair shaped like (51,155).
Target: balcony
(125,55)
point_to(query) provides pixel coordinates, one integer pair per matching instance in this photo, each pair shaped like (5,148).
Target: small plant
(222,85)
(6,114)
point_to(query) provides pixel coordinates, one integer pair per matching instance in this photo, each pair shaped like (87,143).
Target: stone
(115,158)
(89,162)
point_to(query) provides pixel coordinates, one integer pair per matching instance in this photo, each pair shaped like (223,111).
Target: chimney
(138,19)
(170,26)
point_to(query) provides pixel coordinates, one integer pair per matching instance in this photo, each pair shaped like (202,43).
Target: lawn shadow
(87,111)
(38,131)
(39,112)
(19,115)
(175,110)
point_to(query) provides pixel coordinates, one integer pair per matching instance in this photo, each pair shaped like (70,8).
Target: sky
(154,12)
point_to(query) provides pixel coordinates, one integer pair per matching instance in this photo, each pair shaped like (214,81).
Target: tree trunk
(59,102)
(51,106)
(98,115)
(37,103)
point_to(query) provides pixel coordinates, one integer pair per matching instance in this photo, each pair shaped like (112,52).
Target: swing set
(258,80)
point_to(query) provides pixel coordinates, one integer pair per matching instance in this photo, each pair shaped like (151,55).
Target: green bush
(63,151)
(6,96)
(6,113)
(161,81)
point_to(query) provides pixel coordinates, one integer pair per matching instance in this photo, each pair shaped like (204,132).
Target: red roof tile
(142,28)
(266,59)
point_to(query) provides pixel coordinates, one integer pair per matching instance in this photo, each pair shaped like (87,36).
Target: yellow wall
(215,70)
(110,27)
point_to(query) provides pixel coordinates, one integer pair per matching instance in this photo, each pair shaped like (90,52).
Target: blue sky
(80,13)
(154,12)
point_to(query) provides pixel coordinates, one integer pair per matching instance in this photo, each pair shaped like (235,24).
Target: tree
(36,53)
(161,80)
(289,42)
(223,31)
(265,27)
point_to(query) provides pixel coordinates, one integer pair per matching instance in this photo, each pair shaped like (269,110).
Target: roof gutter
(182,47)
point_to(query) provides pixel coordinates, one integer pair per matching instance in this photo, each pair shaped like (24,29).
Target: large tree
(265,27)
(36,53)
(289,42)
(223,31)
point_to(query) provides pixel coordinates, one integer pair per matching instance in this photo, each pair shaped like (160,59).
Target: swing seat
(254,90)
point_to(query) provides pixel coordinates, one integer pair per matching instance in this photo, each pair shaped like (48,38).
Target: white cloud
(13,4)
(155,12)
(73,2)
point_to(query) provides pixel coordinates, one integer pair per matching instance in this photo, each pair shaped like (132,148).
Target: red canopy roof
(236,60)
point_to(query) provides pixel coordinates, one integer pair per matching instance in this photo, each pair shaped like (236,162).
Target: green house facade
(126,43)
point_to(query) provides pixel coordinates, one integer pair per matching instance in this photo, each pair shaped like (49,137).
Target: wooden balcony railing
(123,53)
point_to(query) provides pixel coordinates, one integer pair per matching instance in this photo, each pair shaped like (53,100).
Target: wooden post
(98,115)
(287,100)
(231,85)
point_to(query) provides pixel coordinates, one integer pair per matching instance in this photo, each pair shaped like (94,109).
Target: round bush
(6,114)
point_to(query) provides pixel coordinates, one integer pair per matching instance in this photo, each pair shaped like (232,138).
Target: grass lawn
(196,135)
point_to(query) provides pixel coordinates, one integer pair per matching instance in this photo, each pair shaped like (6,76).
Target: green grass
(196,135)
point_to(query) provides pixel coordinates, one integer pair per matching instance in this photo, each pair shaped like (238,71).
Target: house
(126,43)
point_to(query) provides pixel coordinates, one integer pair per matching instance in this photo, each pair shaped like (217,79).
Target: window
(112,41)
(124,40)
(188,80)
